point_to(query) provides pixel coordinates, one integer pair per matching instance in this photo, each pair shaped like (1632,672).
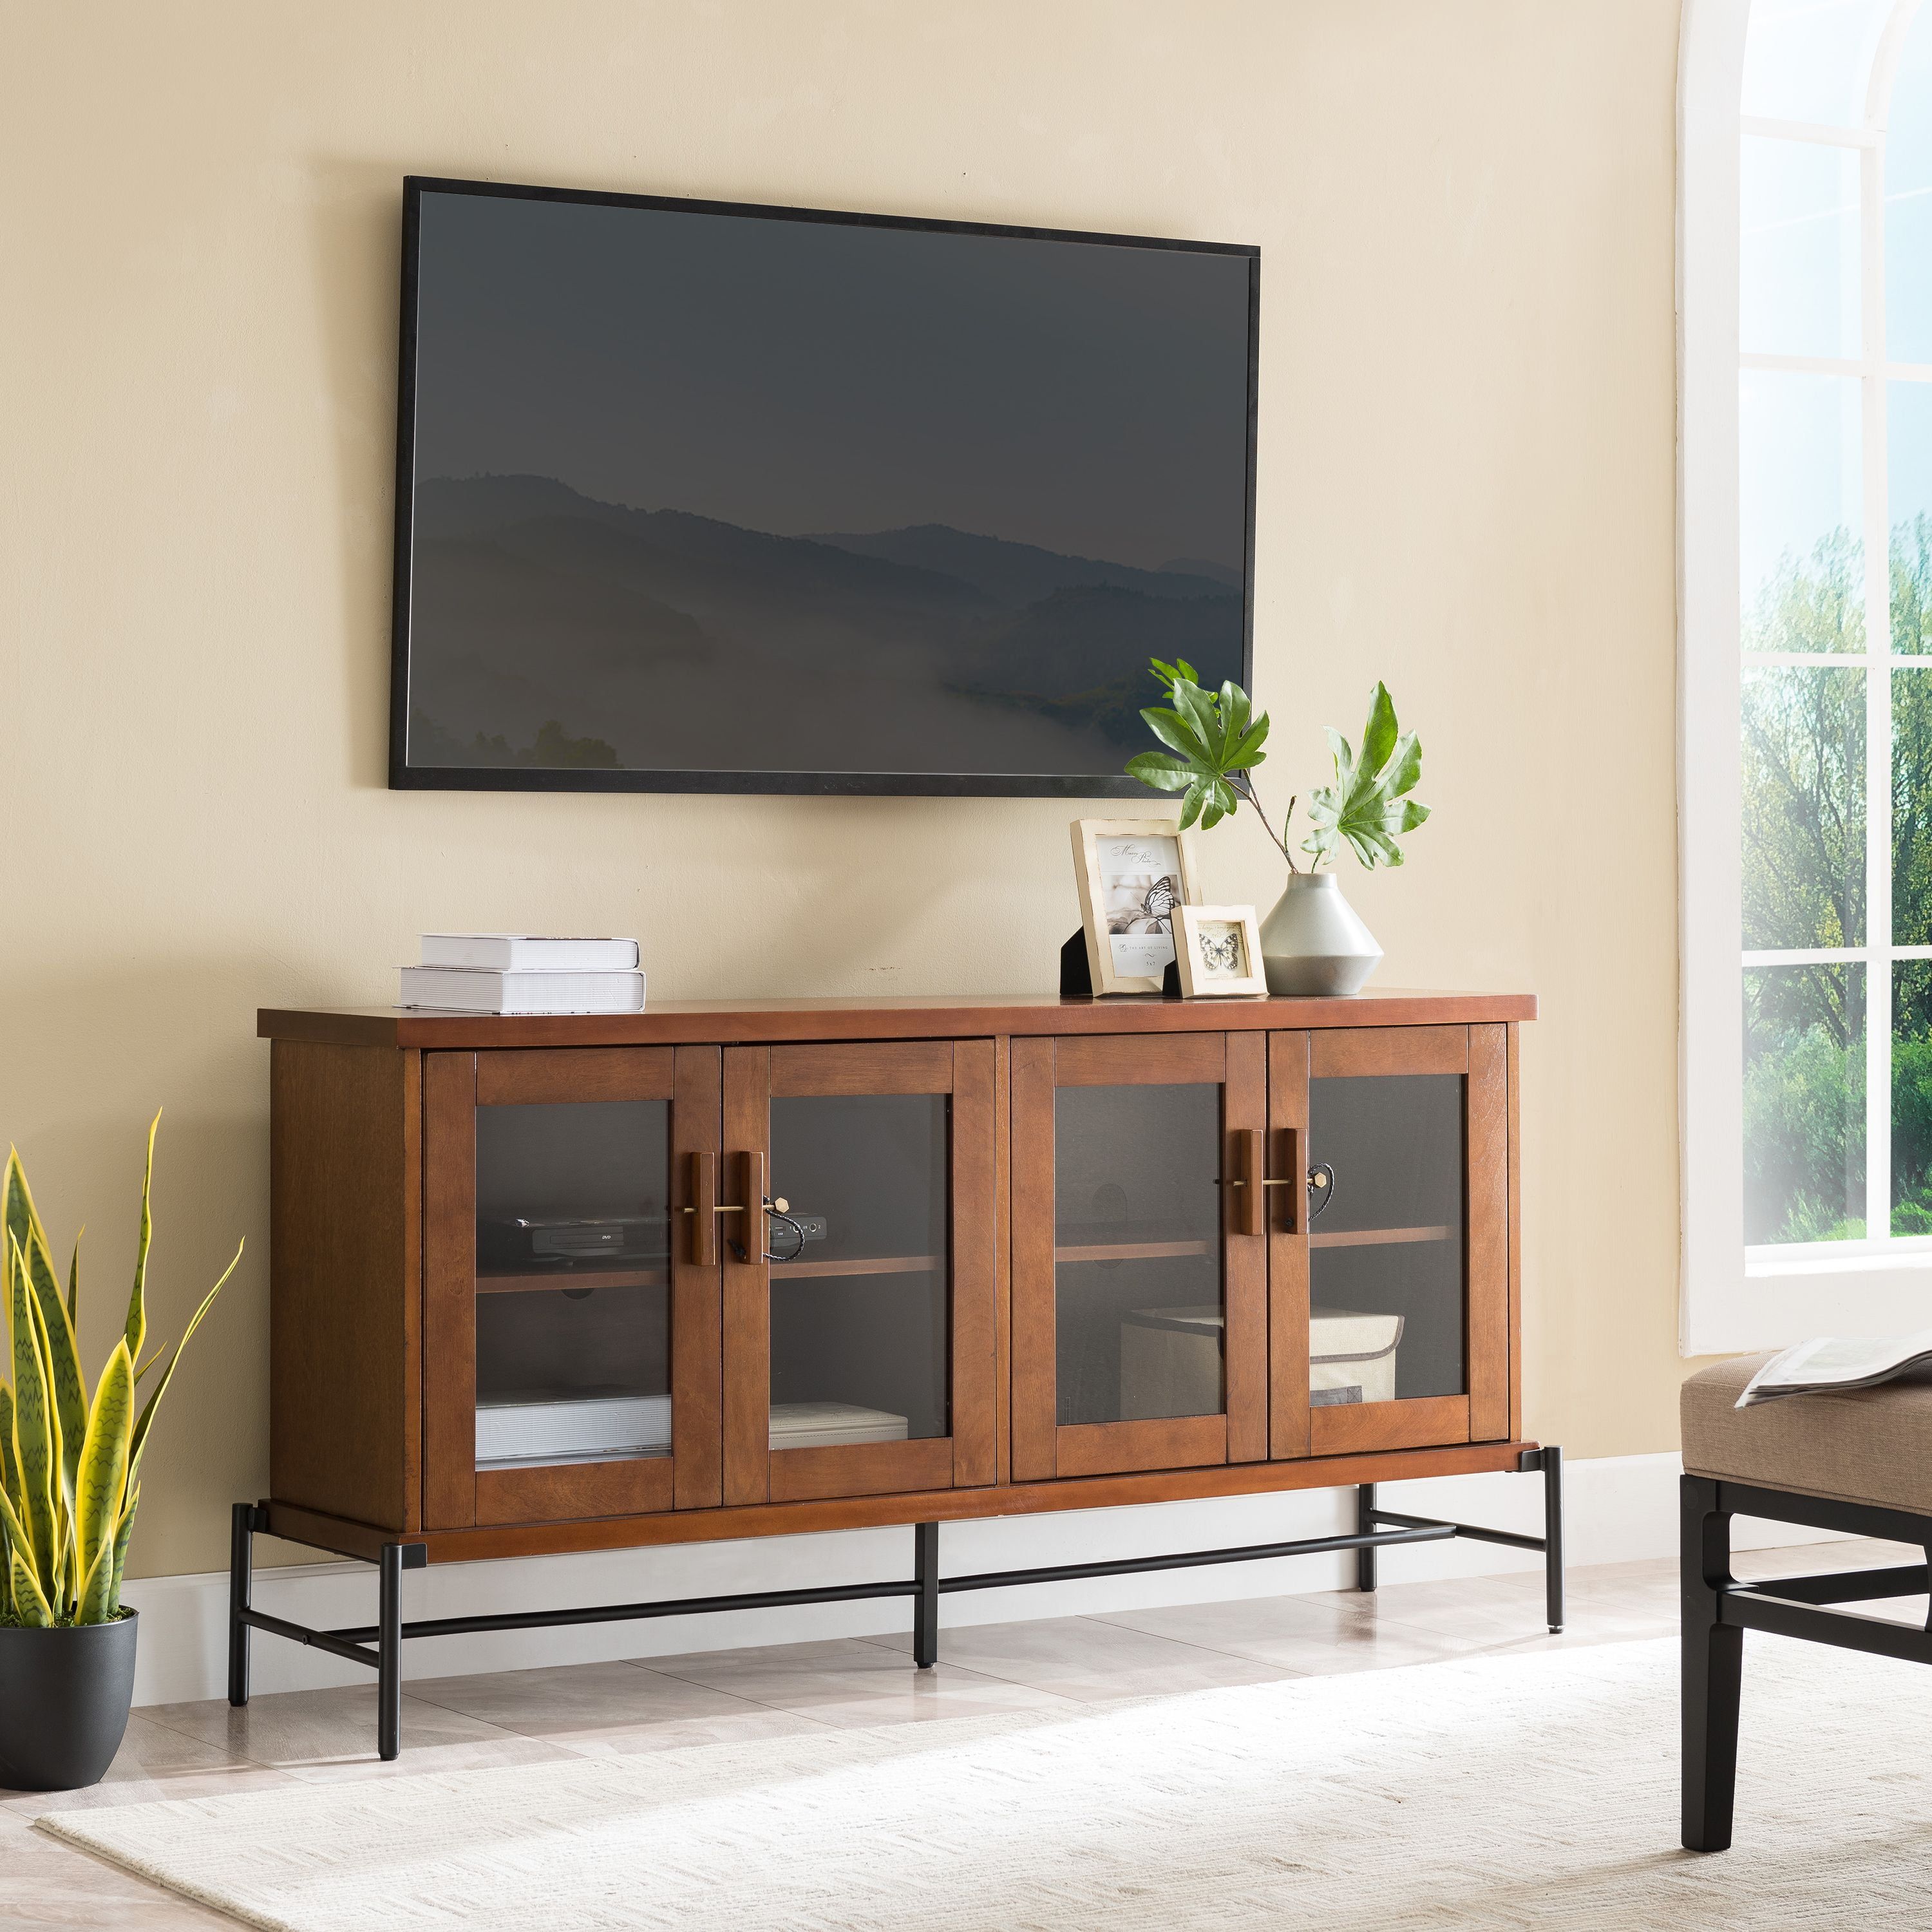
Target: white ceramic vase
(1313,942)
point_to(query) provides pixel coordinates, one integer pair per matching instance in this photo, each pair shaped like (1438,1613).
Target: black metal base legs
(379,1646)
(1550,1462)
(389,1653)
(385,1660)
(925,1603)
(1369,1514)
(241,1554)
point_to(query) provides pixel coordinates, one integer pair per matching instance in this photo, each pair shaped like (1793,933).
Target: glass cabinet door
(1139,1315)
(1139,1311)
(859,1243)
(557,1228)
(1403,1219)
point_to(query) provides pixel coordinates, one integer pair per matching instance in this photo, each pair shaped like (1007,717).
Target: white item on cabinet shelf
(528,953)
(523,1430)
(470,989)
(1170,1360)
(1347,1351)
(824,1425)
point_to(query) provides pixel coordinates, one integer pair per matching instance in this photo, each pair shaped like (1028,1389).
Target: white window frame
(1733,1297)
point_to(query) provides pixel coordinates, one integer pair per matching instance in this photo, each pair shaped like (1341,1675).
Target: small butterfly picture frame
(1218,950)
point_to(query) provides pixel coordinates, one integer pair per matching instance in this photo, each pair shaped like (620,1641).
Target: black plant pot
(63,1700)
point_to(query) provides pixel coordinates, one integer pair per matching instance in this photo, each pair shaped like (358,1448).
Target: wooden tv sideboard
(735,1270)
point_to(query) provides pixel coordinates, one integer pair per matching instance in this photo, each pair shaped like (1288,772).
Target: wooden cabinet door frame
(1479,1053)
(1287,1213)
(753,1076)
(457,1494)
(1042,1446)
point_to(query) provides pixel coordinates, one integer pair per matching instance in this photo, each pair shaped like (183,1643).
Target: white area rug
(1536,1791)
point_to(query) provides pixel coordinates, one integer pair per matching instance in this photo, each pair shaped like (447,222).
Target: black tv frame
(405,777)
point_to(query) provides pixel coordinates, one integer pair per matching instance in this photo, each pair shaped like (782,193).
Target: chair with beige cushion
(1859,1462)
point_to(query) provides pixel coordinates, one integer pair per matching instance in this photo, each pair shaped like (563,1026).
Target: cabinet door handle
(750,1246)
(704,1208)
(1249,1213)
(1250,1216)
(1294,1141)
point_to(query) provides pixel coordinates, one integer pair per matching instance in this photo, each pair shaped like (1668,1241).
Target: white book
(470,989)
(533,1430)
(823,1425)
(529,951)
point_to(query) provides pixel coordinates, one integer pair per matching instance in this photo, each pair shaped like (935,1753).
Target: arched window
(1805,458)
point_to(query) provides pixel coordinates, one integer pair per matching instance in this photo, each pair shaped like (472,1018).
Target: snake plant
(70,1463)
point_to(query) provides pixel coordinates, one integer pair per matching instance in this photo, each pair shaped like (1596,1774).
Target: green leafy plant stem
(1245,787)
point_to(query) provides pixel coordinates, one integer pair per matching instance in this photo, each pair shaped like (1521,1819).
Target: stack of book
(524,973)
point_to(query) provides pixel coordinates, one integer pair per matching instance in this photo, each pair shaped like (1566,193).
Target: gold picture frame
(1133,874)
(1219,952)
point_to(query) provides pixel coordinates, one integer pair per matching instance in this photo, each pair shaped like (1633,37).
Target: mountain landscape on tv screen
(550,630)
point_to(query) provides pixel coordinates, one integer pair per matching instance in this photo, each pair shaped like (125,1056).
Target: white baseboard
(1617,1509)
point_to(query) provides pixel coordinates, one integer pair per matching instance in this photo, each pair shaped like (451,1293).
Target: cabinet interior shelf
(859,1265)
(1108,1251)
(1149,1251)
(1129,1251)
(562,1278)
(1366,1237)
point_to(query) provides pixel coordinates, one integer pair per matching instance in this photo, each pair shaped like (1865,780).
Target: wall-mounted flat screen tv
(696,496)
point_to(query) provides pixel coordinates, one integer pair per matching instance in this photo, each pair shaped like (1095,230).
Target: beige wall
(1464,208)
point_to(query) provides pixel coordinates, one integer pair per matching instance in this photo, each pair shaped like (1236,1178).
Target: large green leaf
(1211,737)
(1366,807)
(36,1426)
(60,1582)
(6,1485)
(30,1602)
(1178,732)
(137,1302)
(103,1477)
(1161,770)
(121,1534)
(147,1417)
(70,1390)
(15,1530)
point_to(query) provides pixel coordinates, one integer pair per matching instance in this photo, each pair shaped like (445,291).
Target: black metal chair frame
(1718,1609)
(379,1645)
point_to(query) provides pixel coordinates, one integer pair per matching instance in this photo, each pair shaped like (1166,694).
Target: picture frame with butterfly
(1133,873)
(1219,951)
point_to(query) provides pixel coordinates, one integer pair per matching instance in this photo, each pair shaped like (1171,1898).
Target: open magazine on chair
(1829,1362)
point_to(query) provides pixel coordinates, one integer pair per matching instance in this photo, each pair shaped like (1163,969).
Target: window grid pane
(1807,61)
(1804,1104)
(1908,200)
(1798,249)
(1804,808)
(1801,508)
(1835,559)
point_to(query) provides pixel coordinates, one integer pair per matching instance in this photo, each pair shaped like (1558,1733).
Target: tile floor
(524,1716)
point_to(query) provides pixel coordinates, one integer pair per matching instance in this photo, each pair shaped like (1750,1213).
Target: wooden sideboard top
(670,1022)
